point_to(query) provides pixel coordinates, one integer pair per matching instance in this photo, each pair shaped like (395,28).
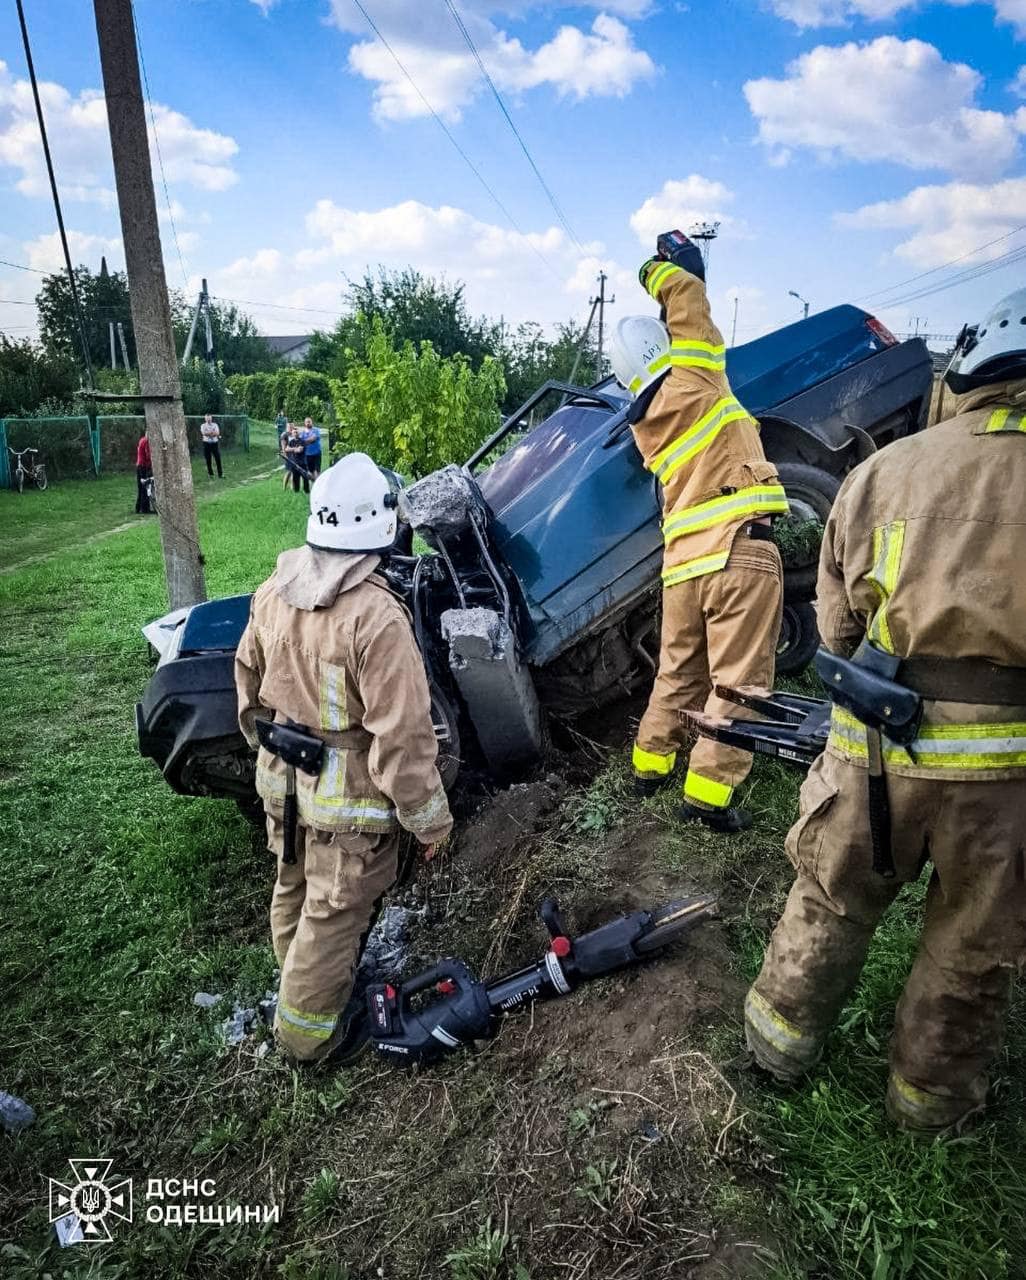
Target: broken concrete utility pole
(151,313)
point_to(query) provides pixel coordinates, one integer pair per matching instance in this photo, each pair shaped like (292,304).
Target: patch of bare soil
(598,1132)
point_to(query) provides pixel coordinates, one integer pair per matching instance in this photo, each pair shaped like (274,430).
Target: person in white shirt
(211,434)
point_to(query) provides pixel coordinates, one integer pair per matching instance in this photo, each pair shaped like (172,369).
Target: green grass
(33,523)
(121,900)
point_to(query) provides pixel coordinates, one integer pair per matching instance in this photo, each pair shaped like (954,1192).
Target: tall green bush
(413,409)
(301,393)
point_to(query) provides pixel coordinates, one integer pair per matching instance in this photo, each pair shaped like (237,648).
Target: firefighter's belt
(964,680)
(866,686)
(293,744)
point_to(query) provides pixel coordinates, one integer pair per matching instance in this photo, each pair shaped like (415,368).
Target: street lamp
(791,294)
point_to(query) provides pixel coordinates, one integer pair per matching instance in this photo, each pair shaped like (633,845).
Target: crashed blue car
(540,596)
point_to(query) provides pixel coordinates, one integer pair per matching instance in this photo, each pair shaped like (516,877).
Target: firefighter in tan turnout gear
(329,652)
(722,576)
(922,562)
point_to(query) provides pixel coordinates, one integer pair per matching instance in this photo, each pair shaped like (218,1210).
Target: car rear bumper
(187,721)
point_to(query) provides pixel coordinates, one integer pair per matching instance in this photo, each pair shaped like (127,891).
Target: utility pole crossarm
(151,313)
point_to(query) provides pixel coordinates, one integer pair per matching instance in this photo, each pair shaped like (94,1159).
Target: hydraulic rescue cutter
(792,727)
(447,1007)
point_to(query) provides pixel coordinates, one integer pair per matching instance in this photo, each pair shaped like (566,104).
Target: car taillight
(880,330)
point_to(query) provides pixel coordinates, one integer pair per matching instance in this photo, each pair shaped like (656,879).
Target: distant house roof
(283,345)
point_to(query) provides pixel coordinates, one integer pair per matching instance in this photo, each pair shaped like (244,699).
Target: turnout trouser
(950,1018)
(721,628)
(321,909)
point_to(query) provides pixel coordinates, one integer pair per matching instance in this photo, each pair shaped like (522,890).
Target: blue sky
(844,146)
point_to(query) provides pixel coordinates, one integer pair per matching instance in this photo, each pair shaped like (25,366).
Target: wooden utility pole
(151,313)
(602,302)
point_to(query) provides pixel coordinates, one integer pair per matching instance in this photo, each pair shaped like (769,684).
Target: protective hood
(309,578)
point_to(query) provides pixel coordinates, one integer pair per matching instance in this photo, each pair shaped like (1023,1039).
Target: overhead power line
(943,266)
(20,266)
(156,143)
(449,134)
(509,120)
(967,276)
(56,195)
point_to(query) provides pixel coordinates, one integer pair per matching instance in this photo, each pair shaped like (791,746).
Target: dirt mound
(503,824)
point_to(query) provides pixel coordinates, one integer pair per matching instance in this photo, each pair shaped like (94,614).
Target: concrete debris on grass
(15,1113)
(384,956)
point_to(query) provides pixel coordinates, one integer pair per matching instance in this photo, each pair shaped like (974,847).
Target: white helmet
(352,507)
(993,351)
(639,351)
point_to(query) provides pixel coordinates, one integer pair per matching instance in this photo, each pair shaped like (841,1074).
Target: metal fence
(79,447)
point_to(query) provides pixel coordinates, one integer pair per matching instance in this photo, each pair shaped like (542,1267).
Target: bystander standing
(211,434)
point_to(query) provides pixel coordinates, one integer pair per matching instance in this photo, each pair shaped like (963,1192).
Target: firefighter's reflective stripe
(432,812)
(918,1109)
(658,276)
(938,746)
(318,1026)
(691,353)
(697,568)
(755,500)
(787,1039)
(332,697)
(707,790)
(327,803)
(651,762)
(697,437)
(1005,420)
(888,541)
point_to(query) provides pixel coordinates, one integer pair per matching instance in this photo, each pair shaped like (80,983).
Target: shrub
(414,410)
(300,392)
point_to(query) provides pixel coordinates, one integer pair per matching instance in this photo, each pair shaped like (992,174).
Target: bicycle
(35,471)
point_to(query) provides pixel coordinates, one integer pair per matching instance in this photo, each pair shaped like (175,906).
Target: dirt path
(201,500)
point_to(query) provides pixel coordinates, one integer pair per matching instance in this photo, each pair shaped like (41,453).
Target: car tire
(447,732)
(811,492)
(799,638)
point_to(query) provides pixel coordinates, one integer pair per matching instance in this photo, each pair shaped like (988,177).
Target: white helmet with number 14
(352,507)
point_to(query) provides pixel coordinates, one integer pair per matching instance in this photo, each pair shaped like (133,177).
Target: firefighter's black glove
(676,247)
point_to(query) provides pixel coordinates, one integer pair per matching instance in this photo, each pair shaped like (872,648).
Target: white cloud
(890,99)
(44,253)
(539,275)
(77,128)
(683,203)
(836,13)
(265,6)
(947,220)
(1018,84)
(601,62)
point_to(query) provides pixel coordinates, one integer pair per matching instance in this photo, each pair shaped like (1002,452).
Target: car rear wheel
(447,734)
(810,492)
(799,638)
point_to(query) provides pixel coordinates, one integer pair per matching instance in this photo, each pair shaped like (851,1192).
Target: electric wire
(156,144)
(967,276)
(56,195)
(933,270)
(516,132)
(449,134)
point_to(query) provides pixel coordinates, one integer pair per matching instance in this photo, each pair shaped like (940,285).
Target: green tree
(411,307)
(529,359)
(238,347)
(413,409)
(104,298)
(30,376)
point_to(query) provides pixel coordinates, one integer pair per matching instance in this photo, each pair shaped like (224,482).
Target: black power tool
(462,1008)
